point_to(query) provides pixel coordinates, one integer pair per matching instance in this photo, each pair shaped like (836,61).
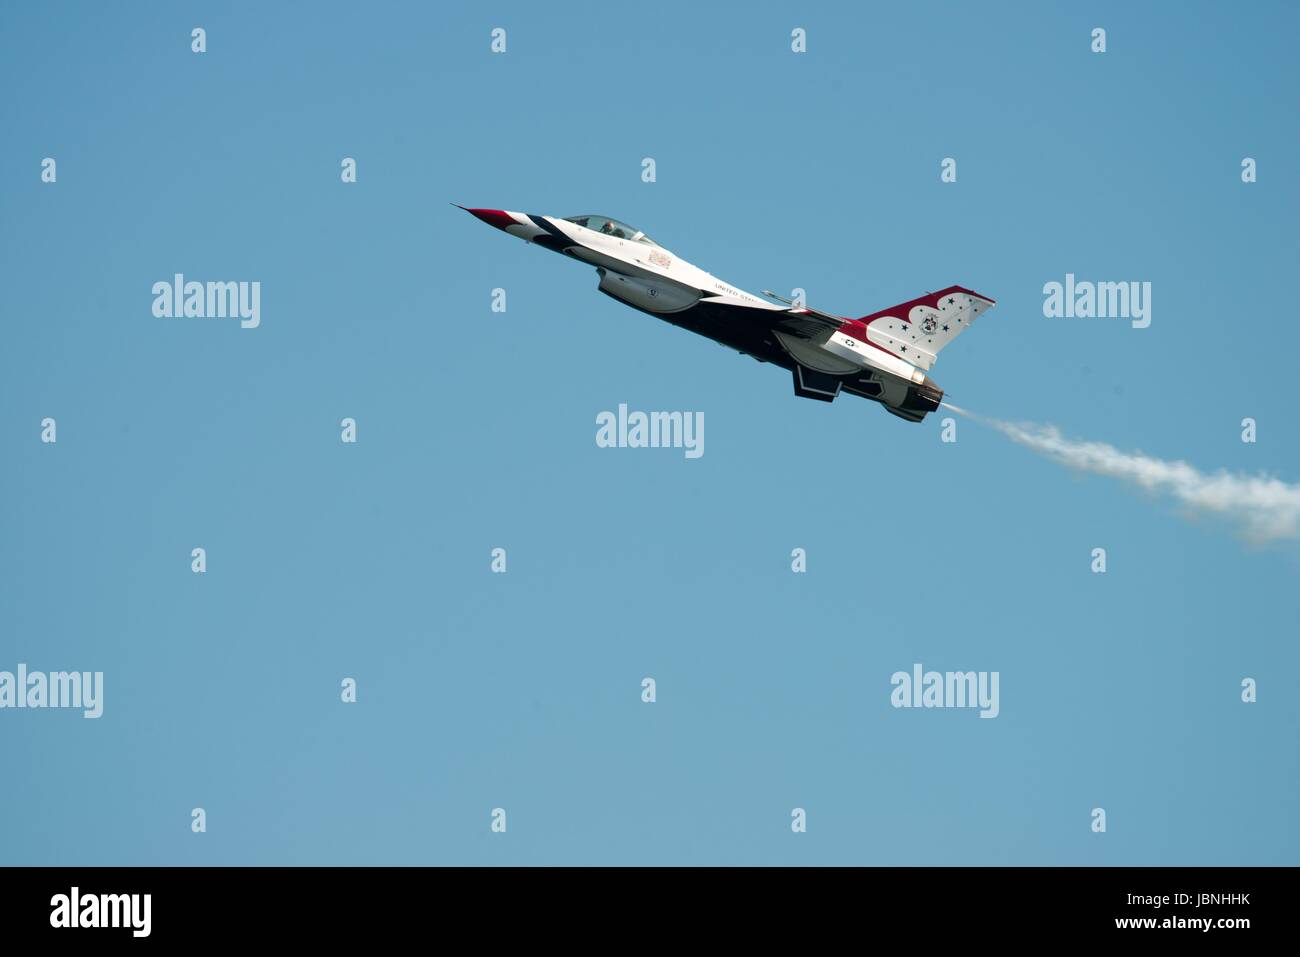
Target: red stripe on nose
(493,217)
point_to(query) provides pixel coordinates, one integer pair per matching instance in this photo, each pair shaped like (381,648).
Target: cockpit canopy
(612,227)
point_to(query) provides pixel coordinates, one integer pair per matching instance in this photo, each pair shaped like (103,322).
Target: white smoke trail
(1264,509)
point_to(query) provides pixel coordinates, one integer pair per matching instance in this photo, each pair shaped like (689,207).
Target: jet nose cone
(493,217)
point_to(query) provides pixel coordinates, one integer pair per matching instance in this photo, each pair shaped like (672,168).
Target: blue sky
(476,430)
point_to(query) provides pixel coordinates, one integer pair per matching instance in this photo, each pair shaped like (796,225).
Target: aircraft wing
(809,323)
(800,321)
(805,321)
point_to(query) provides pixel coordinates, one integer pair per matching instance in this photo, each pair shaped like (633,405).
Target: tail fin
(918,329)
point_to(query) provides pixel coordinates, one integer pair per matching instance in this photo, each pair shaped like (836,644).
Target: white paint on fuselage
(634,258)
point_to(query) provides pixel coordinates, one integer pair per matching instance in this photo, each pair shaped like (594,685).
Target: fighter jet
(883,356)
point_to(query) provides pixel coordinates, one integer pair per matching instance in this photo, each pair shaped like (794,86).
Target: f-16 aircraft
(882,356)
